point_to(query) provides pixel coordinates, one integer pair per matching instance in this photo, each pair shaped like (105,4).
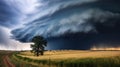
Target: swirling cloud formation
(57,17)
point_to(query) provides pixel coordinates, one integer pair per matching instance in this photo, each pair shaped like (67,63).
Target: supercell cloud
(80,22)
(57,17)
(13,14)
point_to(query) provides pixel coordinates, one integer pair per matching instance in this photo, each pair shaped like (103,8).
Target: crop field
(61,58)
(73,58)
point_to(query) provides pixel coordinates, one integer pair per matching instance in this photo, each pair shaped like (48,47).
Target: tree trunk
(37,53)
(37,49)
(41,52)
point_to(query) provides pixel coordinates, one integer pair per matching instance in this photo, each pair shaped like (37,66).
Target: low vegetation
(63,58)
(12,59)
(20,63)
(1,58)
(73,58)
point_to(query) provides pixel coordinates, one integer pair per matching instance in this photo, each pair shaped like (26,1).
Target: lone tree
(39,45)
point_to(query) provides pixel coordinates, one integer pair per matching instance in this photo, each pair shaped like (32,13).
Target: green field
(62,58)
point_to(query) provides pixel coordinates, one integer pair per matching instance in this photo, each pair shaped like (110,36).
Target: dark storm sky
(66,24)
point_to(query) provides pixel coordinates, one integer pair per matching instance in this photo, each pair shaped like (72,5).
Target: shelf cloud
(24,19)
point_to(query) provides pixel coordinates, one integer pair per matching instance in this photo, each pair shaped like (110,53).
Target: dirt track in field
(7,62)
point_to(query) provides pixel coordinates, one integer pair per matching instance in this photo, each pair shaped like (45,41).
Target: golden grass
(71,54)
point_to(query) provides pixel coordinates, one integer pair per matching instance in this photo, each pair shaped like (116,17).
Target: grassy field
(1,58)
(12,59)
(73,58)
(20,63)
(62,58)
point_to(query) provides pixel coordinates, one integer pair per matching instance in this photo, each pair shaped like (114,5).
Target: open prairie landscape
(59,33)
(68,58)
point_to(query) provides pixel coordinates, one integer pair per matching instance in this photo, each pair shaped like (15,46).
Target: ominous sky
(66,24)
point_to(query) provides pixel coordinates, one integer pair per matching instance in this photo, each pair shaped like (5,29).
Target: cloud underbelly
(54,19)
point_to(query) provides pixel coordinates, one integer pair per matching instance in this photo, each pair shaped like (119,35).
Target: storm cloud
(57,18)
(13,15)
(6,43)
(62,22)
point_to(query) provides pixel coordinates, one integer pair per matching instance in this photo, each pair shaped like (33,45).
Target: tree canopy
(39,45)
